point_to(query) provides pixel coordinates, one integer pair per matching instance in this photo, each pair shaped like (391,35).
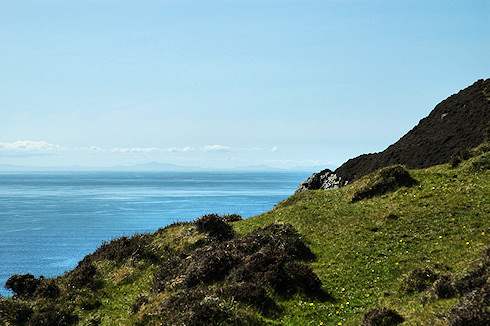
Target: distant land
(152,167)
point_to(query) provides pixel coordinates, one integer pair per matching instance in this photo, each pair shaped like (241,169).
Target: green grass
(364,250)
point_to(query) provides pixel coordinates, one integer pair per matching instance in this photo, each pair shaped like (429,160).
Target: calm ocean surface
(50,221)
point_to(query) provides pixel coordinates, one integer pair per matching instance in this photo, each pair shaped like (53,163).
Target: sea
(49,221)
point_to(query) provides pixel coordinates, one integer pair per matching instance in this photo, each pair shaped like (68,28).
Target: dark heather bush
(386,179)
(139,302)
(444,287)
(195,307)
(14,312)
(210,264)
(53,316)
(303,277)
(476,277)
(419,279)
(83,276)
(48,289)
(279,236)
(123,248)
(215,227)
(473,309)
(23,285)
(248,268)
(250,293)
(382,317)
(168,270)
(89,303)
(231,218)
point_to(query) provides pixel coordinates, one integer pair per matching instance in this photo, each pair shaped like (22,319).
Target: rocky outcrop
(324,180)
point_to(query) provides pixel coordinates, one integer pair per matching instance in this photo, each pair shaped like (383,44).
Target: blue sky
(227,83)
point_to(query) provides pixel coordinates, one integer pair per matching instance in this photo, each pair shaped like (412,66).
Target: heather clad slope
(458,123)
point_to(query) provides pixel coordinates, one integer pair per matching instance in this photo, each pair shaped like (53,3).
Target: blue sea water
(50,221)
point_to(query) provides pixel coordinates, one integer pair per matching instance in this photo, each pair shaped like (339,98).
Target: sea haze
(50,220)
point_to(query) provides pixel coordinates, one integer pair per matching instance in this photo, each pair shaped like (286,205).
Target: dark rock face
(458,123)
(324,180)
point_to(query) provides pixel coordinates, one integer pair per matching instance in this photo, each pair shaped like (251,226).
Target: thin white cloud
(180,150)
(135,150)
(94,149)
(29,146)
(211,148)
(274,149)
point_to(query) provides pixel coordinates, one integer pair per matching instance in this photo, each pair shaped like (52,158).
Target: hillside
(317,258)
(455,125)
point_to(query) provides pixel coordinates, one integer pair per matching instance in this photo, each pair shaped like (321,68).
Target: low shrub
(272,268)
(251,294)
(47,289)
(89,303)
(167,271)
(121,249)
(229,218)
(476,277)
(248,268)
(196,307)
(138,303)
(418,280)
(303,277)
(444,287)
(382,181)
(210,264)
(473,309)
(474,286)
(53,316)
(23,285)
(279,236)
(382,317)
(14,312)
(83,276)
(215,227)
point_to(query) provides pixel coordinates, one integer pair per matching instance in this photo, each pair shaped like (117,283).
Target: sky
(227,84)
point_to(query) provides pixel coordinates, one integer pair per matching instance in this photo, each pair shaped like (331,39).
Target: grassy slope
(363,250)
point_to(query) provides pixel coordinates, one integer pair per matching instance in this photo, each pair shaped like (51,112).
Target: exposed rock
(324,180)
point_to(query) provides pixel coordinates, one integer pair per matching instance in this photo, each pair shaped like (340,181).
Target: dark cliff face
(458,123)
